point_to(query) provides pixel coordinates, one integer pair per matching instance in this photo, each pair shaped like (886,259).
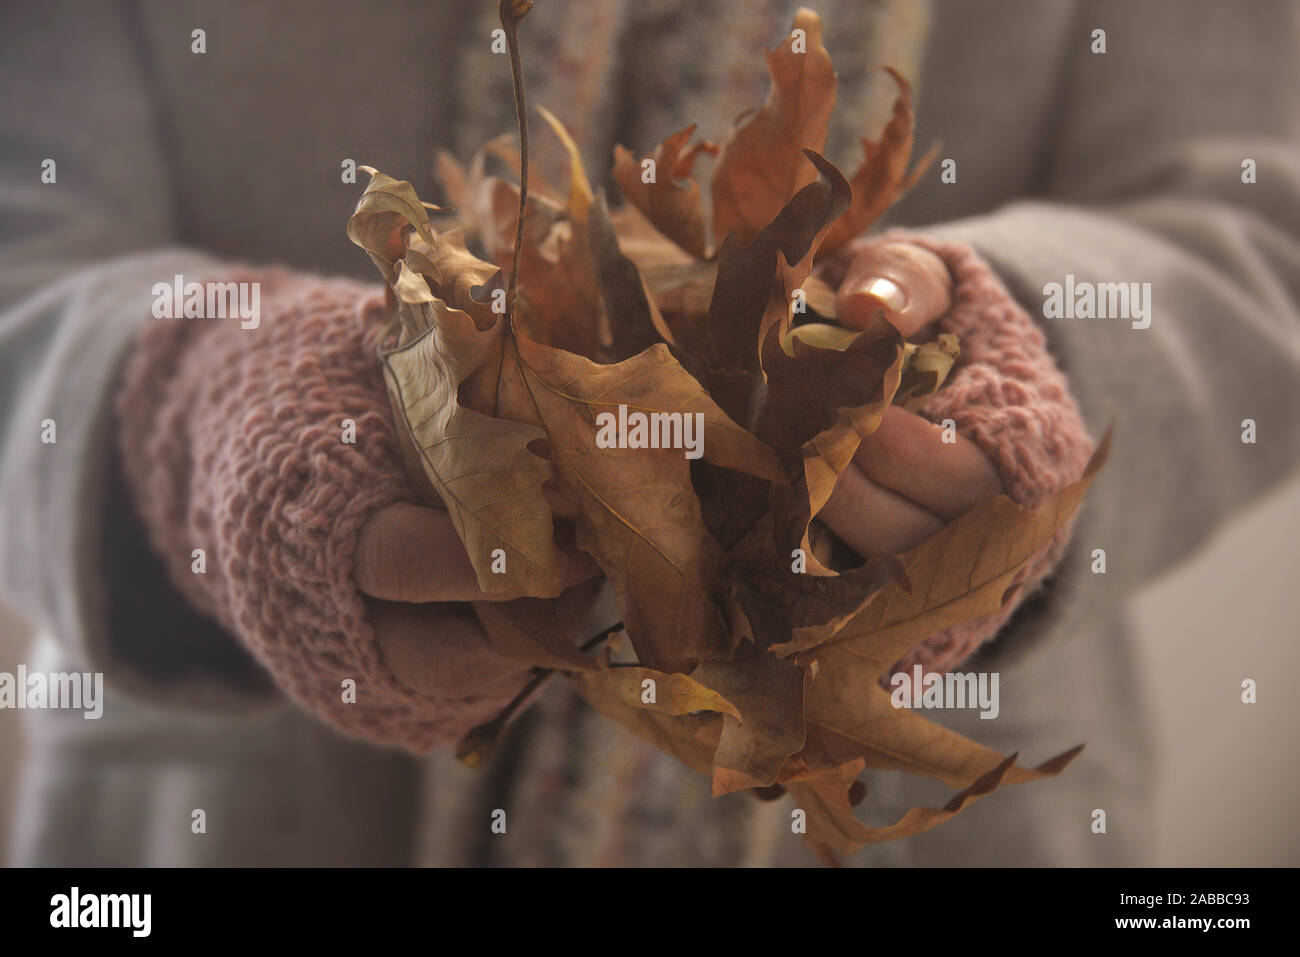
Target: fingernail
(887,292)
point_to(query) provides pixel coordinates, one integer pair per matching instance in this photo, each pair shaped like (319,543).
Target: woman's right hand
(412,566)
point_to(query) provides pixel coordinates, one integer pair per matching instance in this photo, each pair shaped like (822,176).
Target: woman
(1115,166)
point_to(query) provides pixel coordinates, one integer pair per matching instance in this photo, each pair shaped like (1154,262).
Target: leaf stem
(512,13)
(478,743)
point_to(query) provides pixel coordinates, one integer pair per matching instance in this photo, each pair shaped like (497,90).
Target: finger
(872,519)
(911,285)
(439,650)
(907,455)
(411,553)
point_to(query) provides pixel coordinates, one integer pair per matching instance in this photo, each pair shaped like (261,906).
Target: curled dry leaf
(670,694)
(925,367)
(961,573)
(481,466)
(639,516)
(682,416)
(676,211)
(690,738)
(882,179)
(765,725)
(831,821)
(762,162)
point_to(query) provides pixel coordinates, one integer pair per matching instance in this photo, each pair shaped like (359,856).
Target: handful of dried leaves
(758,650)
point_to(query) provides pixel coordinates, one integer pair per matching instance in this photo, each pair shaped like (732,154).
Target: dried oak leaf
(690,738)
(925,369)
(882,179)
(821,404)
(781,602)
(765,725)
(481,466)
(754,290)
(577,289)
(669,694)
(960,574)
(762,162)
(826,798)
(638,513)
(560,288)
(634,320)
(676,211)
(387,211)
(471,190)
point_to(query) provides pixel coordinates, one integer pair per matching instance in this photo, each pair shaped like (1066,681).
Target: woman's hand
(905,483)
(412,565)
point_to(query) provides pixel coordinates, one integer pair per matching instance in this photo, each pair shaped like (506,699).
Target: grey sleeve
(1146,185)
(78,260)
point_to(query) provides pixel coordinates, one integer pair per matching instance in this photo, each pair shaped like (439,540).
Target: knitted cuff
(1006,394)
(234,441)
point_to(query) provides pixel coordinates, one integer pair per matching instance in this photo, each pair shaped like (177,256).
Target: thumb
(911,286)
(440,649)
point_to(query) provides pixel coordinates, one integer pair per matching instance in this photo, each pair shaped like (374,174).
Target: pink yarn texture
(231,440)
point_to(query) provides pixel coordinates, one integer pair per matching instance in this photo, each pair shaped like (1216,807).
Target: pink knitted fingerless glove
(1007,395)
(232,442)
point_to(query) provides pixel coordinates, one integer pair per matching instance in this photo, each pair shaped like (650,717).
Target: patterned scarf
(634,71)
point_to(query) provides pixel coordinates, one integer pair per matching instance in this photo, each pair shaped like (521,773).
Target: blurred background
(1225,799)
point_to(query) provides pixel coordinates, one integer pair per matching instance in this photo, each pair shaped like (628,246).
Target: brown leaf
(559,282)
(635,322)
(388,210)
(925,368)
(481,467)
(682,293)
(639,516)
(850,716)
(530,630)
(650,249)
(961,573)
(690,738)
(882,179)
(559,300)
(453,274)
(753,291)
(672,694)
(831,821)
(765,675)
(828,397)
(804,605)
(822,402)
(470,190)
(768,726)
(581,195)
(577,289)
(762,162)
(676,211)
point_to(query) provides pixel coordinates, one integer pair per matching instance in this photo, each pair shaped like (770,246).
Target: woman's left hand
(905,483)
